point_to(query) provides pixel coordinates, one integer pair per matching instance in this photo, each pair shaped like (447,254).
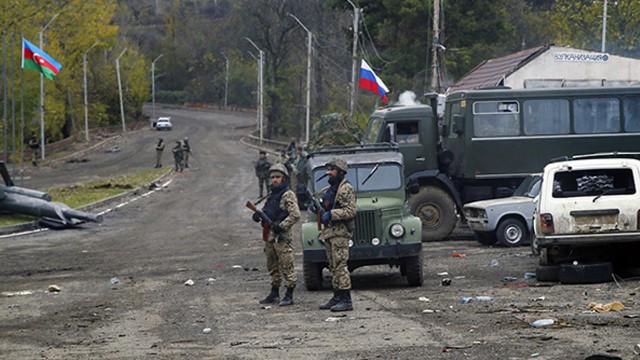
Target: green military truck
(489,140)
(385,231)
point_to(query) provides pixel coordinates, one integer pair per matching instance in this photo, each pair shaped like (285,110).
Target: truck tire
(512,232)
(312,273)
(486,238)
(547,273)
(436,210)
(413,270)
(585,273)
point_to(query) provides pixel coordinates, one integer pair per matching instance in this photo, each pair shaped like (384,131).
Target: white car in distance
(163,123)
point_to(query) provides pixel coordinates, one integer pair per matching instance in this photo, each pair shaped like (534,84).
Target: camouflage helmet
(338,164)
(279,168)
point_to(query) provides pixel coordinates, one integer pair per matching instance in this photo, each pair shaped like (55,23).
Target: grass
(78,195)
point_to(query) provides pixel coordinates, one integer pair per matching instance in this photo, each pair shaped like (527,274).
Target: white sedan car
(164,123)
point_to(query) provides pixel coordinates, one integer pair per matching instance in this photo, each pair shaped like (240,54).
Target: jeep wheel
(312,273)
(413,268)
(486,238)
(511,232)
(436,210)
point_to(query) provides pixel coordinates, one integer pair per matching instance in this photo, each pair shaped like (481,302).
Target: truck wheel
(312,273)
(585,273)
(486,238)
(436,210)
(511,232)
(413,269)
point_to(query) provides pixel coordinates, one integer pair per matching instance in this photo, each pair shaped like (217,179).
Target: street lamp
(86,103)
(356,14)
(308,104)
(260,87)
(226,78)
(124,129)
(257,92)
(40,35)
(153,86)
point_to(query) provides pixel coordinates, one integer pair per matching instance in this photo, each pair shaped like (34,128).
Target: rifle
(266,222)
(317,206)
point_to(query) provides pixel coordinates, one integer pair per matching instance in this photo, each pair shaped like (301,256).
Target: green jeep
(385,231)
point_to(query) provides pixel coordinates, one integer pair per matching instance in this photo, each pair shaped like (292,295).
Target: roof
(493,71)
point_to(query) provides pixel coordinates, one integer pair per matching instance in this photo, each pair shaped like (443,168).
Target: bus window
(547,116)
(596,115)
(496,118)
(632,114)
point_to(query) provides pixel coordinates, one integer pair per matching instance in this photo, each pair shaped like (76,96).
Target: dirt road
(123,294)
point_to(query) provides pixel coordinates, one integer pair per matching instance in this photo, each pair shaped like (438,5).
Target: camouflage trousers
(263,183)
(280,263)
(337,255)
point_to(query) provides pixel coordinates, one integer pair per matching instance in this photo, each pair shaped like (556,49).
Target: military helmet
(279,168)
(338,164)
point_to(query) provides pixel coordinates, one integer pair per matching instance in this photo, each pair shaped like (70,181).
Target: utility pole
(354,64)
(153,87)
(226,78)
(435,73)
(260,88)
(308,104)
(604,26)
(124,128)
(42,140)
(86,102)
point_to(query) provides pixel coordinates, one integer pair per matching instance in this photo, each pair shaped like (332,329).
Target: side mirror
(457,124)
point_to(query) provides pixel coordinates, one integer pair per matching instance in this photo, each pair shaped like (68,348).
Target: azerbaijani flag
(38,60)
(370,81)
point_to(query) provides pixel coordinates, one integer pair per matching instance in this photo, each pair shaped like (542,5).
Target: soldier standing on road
(159,150)
(34,145)
(178,156)
(339,203)
(186,151)
(262,171)
(282,208)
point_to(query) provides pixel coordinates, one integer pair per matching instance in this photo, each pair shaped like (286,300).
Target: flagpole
(4,92)
(42,140)
(86,102)
(356,13)
(153,87)
(124,129)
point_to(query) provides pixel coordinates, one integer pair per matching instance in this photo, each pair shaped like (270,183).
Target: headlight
(396,231)
(375,241)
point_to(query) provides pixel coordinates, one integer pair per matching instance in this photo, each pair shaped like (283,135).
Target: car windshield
(366,177)
(530,186)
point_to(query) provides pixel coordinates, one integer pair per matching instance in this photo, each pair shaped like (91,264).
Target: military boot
(333,301)
(345,302)
(288,298)
(273,297)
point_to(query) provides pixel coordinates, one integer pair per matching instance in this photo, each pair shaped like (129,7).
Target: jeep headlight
(396,231)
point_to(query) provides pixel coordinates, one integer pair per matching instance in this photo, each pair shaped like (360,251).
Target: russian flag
(370,81)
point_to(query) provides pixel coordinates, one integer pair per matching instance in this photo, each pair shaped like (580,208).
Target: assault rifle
(266,222)
(317,208)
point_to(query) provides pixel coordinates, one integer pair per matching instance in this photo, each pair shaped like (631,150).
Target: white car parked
(587,217)
(163,123)
(508,221)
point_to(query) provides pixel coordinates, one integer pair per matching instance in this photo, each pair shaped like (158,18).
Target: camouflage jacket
(342,214)
(288,203)
(262,168)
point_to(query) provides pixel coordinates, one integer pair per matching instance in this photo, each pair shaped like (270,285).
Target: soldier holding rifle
(278,216)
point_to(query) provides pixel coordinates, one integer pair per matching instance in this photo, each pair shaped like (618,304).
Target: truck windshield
(385,177)
(372,132)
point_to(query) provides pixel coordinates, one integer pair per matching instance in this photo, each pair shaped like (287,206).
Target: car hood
(491,203)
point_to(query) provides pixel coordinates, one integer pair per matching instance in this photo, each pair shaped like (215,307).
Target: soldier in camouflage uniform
(282,208)
(339,203)
(262,171)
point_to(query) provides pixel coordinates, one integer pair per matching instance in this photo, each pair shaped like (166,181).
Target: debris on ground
(612,306)
(189,282)
(53,288)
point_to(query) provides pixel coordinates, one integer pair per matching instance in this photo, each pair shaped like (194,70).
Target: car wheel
(511,232)
(486,238)
(547,273)
(312,273)
(585,273)
(436,211)
(413,270)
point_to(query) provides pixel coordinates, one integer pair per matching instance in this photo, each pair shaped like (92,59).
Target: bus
(489,140)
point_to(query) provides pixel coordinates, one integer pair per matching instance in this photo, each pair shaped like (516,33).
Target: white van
(587,214)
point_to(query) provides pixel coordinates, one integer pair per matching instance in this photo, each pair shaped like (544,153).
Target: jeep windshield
(366,177)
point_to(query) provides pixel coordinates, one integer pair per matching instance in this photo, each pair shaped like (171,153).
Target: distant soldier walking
(159,151)
(34,145)
(178,156)
(339,203)
(262,172)
(282,209)
(186,151)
